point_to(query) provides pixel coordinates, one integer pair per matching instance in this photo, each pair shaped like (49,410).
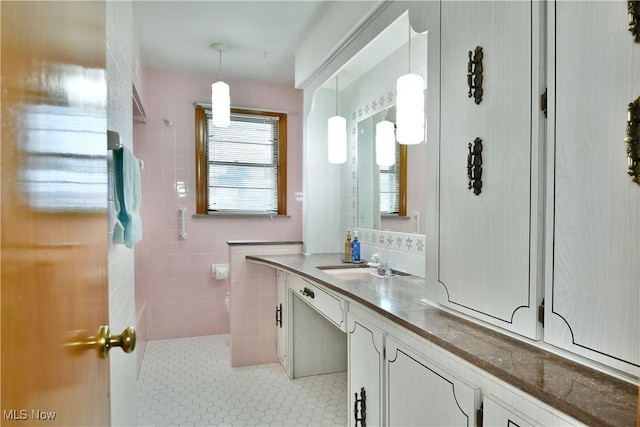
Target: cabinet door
(366,364)
(486,264)
(498,414)
(281,318)
(592,291)
(419,393)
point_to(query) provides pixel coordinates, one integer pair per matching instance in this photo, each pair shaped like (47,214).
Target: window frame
(401,176)
(202,164)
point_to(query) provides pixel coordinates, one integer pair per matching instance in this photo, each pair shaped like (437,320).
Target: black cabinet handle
(474,75)
(279,315)
(362,404)
(474,166)
(308,292)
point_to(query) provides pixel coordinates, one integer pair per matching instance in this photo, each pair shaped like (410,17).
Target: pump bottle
(355,247)
(347,247)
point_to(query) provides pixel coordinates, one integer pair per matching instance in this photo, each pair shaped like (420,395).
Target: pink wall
(173,276)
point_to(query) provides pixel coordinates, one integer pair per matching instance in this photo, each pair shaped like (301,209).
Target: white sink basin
(352,273)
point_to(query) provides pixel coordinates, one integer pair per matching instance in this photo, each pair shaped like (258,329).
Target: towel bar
(113,140)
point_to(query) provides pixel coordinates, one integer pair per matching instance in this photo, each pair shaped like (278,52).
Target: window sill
(392,216)
(240,215)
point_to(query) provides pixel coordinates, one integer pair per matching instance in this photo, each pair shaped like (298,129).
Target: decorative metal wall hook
(632,140)
(474,74)
(474,166)
(633,9)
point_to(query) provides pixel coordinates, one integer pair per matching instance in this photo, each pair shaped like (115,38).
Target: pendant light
(385,143)
(410,106)
(337,136)
(220,99)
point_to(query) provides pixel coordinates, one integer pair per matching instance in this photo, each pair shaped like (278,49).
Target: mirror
(382,191)
(367,109)
(366,94)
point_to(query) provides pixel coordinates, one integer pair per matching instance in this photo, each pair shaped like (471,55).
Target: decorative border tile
(393,240)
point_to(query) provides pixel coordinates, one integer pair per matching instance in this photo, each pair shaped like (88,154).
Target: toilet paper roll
(221,272)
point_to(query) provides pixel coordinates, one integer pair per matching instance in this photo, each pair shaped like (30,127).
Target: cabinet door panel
(484,240)
(365,370)
(281,318)
(593,294)
(421,394)
(498,414)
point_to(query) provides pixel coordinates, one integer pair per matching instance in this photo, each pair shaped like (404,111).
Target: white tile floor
(189,381)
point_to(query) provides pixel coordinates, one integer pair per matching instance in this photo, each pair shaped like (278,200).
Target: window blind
(390,186)
(242,164)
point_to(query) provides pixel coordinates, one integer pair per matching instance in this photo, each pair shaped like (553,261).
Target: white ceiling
(261,36)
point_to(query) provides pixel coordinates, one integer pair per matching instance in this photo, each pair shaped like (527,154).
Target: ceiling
(261,36)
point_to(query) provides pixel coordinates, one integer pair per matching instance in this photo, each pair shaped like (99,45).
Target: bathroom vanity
(412,363)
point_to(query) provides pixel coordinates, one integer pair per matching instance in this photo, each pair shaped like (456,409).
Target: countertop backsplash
(402,251)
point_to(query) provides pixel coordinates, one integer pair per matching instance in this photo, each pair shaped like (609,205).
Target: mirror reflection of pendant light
(337,136)
(220,99)
(385,143)
(410,106)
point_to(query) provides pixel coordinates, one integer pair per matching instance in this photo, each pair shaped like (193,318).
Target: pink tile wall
(173,276)
(252,305)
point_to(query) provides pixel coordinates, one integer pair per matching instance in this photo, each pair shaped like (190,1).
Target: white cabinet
(365,368)
(316,326)
(392,384)
(282,317)
(593,208)
(419,393)
(487,261)
(499,414)
(331,307)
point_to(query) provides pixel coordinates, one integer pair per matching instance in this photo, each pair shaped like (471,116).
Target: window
(393,180)
(241,169)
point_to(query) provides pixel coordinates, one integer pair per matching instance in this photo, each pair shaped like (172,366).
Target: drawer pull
(308,292)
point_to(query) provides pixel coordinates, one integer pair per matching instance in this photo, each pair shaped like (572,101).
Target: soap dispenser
(355,247)
(347,247)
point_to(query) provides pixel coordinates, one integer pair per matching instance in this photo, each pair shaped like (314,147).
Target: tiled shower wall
(173,276)
(119,29)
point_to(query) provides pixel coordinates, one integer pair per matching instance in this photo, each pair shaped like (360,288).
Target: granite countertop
(585,394)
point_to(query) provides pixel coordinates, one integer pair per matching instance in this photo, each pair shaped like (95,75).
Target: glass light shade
(410,109)
(385,143)
(220,104)
(337,139)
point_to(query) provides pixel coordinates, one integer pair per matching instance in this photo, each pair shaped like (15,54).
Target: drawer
(330,306)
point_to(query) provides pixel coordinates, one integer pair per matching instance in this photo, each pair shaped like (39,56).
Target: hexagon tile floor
(189,382)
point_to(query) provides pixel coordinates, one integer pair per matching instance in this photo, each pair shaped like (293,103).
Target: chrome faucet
(383,268)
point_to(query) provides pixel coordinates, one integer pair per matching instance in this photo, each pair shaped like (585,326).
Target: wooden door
(366,364)
(54,225)
(487,258)
(592,289)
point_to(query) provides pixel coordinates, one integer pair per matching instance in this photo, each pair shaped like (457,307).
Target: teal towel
(128,228)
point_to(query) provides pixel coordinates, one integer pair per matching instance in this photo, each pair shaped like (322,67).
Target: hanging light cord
(220,71)
(409,46)
(336,94)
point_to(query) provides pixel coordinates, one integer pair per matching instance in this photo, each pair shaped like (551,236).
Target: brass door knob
(104,341)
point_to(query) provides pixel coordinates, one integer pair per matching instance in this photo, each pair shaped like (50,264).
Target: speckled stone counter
(585,394)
